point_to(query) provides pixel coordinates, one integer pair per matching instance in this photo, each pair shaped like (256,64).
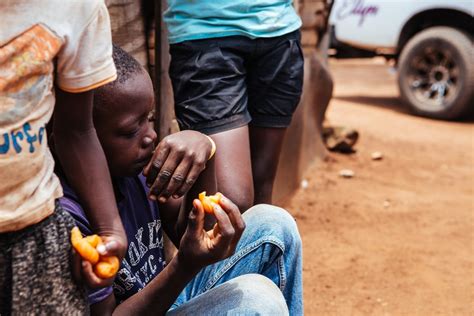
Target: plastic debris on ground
(346,173)
(377,155)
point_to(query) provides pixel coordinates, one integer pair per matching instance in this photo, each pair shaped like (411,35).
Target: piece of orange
(83,247)
(208,201)
(104,266)
(107,267)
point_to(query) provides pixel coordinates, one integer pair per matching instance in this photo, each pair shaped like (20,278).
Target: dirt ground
(397,238)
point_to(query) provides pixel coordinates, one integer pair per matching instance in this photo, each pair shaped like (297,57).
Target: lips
(144,161)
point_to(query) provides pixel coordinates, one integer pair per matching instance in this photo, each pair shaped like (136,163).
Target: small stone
(386,203)
(392,70)
(346,173)
(304,184)
(377,155)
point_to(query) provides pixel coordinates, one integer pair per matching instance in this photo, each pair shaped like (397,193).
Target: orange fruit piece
(208,201)
(83,247)
(107,267)
(104,266)
(93,240)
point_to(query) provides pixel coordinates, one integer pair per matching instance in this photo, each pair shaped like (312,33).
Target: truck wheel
(436,73)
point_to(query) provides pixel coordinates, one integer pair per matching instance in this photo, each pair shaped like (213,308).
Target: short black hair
(126,66)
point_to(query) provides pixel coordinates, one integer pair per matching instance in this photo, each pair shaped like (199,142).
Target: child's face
(125,126)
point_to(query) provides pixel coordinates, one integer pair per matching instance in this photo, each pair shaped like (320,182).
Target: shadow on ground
(392,103)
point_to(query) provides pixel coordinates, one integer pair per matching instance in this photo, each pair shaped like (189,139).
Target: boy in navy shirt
(262,272)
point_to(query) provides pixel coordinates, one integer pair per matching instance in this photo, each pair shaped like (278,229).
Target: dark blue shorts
(224,83)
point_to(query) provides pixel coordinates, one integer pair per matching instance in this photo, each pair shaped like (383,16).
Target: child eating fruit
(247,263)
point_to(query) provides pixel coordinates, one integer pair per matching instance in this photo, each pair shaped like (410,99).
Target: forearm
(83,161)
(169,213)
(158,296)
(85,167)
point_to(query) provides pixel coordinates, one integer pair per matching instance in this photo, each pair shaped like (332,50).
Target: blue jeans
(270,246)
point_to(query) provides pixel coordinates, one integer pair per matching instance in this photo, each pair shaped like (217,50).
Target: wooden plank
(164,108)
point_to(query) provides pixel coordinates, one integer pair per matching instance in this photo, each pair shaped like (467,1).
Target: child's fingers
(164,175)
(223,237)
(235,217)
(196,219)
(179,176)
(109,247)
(192,176)
(91,279)
(88,274)
(159,157)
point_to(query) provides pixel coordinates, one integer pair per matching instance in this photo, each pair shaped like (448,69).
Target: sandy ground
(397,239)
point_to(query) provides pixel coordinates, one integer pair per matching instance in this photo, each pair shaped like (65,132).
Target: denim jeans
(270,246)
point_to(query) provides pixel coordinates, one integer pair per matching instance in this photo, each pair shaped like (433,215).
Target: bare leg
(233,166)
(266,144)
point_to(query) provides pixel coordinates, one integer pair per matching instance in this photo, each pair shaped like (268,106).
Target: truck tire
(436,73)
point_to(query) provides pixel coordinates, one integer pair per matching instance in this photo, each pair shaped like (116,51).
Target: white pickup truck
(431,41)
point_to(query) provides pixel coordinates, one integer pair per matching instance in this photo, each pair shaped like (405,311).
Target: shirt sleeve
(70,205)
(85,61)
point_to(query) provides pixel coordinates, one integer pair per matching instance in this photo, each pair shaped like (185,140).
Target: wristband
(213,148)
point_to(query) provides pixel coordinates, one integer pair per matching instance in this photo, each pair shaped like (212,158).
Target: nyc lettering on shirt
(140,266)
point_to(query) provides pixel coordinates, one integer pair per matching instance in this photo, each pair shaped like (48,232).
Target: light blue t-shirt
(200,19)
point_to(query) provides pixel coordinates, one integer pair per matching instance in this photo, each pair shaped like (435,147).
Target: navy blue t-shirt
(141,219)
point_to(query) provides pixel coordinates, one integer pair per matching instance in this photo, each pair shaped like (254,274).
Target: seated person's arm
(157,297)
(197,249)
(169,214)
(85,166)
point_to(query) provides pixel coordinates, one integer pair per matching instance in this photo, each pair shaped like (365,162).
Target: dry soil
(397,238)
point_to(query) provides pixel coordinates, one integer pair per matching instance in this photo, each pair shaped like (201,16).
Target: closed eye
(129,134)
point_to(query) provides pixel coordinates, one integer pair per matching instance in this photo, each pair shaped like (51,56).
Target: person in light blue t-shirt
(237,74)
(205,19)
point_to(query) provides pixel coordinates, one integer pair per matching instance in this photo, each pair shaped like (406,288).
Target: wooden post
(163,96)
(163,92)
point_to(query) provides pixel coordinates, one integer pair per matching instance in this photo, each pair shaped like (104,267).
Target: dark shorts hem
(271,121)
(221,84)
(222,125)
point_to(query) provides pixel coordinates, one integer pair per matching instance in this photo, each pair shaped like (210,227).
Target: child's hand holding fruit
(199,248)
(98,270)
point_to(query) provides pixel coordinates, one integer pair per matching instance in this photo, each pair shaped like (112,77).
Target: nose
(149,138)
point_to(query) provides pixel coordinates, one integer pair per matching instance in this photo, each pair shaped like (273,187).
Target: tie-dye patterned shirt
(42,43)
